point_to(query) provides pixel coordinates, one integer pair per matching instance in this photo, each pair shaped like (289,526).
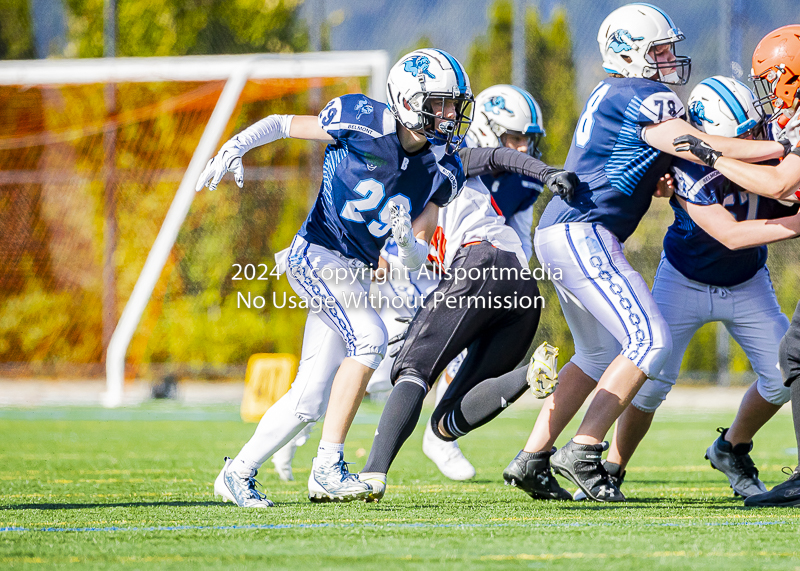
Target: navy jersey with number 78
(366,167)
(617,168)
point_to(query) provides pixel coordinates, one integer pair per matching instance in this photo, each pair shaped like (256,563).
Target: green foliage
(490,55)
(550,78)
(16,32)
(174,27)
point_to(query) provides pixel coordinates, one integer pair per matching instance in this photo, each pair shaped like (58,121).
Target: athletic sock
(795,392)
(484,402)
(398,420)
(277,427)
(329,453)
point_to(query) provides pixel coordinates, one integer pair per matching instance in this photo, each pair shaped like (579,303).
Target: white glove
(400,220)
(411,251)
(228,159)
(543,371)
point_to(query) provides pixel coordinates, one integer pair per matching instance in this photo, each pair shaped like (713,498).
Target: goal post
(235,72)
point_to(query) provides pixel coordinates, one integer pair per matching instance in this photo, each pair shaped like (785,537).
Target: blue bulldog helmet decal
(622,41)
(497,104)
(697,112)
(418,65)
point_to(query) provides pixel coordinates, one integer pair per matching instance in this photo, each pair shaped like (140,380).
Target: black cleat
(615,473)
(582,465)
(736,464)
(784,495)
(530,472)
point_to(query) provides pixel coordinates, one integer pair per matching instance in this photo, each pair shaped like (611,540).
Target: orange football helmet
(776,69)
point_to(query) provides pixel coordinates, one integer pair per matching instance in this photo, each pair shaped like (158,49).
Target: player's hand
(562,183)
(400,220)
(228,159)
(703,151)
(665,187)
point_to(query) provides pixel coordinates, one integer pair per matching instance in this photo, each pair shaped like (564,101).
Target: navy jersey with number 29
(617,168)
(366,167)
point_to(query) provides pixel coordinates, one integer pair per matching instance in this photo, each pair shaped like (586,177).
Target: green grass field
(89,488)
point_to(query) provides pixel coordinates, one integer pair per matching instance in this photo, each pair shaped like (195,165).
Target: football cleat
(530,472)
(239,490)
(334,483)
(614,473)
(378,483)
(582,465)
(542,372)
(736,464)
(783,495)
(447,456)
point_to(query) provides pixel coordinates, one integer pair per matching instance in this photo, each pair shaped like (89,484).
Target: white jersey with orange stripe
(472,217)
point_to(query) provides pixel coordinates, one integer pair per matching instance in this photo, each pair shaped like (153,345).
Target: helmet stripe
(730,100)
(532,105)
(659,10)
(462,84)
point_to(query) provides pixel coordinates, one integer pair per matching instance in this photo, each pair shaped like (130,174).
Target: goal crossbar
(235,71)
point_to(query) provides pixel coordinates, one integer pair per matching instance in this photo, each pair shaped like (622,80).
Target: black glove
(562,183)
(787,146)
(698,148)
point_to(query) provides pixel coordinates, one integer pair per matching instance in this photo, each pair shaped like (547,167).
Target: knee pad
(651,395)
(773,390)
(369,345)
(651,352)
(593,365)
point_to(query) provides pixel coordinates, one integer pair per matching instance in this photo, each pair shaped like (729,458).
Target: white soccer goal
(235,71)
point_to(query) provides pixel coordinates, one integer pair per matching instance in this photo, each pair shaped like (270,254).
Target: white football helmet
(726,107)
(626,37)
(503,109)
(421,77)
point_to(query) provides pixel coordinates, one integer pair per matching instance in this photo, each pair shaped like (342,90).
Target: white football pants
(750,313)
(607,304)
(341,329)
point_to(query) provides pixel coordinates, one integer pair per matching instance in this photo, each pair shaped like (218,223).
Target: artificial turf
(132,489)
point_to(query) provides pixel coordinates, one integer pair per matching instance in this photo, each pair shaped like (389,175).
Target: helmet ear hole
(627,59)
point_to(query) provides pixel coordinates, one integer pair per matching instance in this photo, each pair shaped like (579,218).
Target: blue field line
(280,526)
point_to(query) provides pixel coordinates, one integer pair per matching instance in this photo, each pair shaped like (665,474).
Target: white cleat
(447,456)
(282,460)
(378,483)
(334,483)
(241,491)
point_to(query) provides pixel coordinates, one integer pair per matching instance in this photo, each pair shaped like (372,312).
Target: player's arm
(779,182)
(482,161)
(269,129)
(661,136)
(411,239)
(734,235)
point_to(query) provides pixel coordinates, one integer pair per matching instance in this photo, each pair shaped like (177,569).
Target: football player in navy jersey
(713,269)
(775,71)
(619,151)
(379,161)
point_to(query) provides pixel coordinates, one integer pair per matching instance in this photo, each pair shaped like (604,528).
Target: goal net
(109,261)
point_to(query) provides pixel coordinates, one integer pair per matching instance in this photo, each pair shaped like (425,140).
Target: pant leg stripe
(593,281)
(301,259)
(632,292)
